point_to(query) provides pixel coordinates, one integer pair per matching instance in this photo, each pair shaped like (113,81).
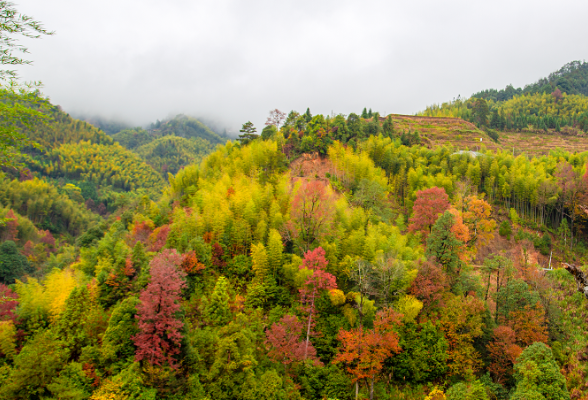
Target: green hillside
(169,154)
(185,127)
(572,78)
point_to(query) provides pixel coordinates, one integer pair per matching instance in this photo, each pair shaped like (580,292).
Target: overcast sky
(233,61)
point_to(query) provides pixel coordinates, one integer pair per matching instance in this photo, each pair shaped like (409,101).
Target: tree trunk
(488,286)
(497,283)
(581,279)
(308,328)
(372,389)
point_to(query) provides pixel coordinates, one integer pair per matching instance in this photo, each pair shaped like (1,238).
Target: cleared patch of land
(463,135)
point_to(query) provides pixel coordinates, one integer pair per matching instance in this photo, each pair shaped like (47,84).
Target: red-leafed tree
(557,95)
(503,352)
(48,240)
(158,238)
(276,117)
(318,281)
(10,227)
(142,230)
(363,352)
(217,256)
(430,284)
(8,303)
(429,204)
(28,250)
(285,345)
(159,337)
(312,214)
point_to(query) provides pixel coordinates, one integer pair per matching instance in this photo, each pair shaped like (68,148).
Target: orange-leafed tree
(503,352)
(190,263)
(429,204)
(529,325)
(477,218)
(363,351)
(461,233)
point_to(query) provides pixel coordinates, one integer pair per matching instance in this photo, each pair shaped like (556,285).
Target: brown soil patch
(311,166)
(463,135)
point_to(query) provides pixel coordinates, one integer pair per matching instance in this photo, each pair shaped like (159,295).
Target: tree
(275,248)
(276,117)
(14,23)
(283,337)
(35,366)
(538,376)
(117,343)
(481,112)
(72,321)
(10,227)
(364,351)
(247,133)
(8,303)
(467,391)
(428,205)
(217,310)
(442,245)
(312,214)
(13,265)
(430,284)
(477,218)
(159,337)
(461,321)
(388,127)
(571,186)
(16,99)
(319,280)
(503,352)
(423,356)
(557,95)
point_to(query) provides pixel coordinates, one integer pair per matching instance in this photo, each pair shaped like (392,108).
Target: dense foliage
(328,257)
(572,78)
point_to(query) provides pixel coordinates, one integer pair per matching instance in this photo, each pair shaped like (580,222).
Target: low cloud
(233,61)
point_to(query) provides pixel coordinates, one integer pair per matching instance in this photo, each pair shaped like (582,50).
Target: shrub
(505,229)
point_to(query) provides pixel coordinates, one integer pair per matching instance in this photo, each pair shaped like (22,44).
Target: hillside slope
(464,135)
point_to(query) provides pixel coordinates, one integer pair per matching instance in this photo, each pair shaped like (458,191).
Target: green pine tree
(442,244)
(217,310)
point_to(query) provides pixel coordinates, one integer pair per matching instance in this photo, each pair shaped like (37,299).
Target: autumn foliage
(429,204)
(319,280)
(286,347)
(312,213)
(363,351)
(159,337)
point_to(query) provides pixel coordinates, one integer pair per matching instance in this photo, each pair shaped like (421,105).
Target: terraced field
(463,135)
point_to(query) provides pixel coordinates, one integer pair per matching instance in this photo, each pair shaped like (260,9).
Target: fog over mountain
(233,61)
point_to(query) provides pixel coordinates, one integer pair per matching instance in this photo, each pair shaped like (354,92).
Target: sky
(233,61)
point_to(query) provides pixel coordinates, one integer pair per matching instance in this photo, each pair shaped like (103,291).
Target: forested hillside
(572,78)
(325,258)
(170,145)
